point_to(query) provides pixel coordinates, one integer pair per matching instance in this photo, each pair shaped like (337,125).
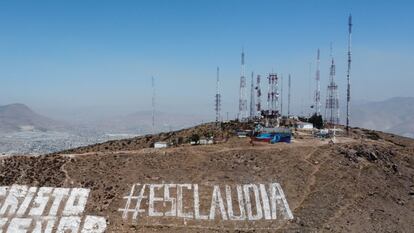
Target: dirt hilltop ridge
(364,183)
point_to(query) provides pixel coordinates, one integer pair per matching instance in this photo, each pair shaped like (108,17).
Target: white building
(158,145)
(206,141)
(305,125)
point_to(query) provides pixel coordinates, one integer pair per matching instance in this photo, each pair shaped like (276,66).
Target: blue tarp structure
(274,137)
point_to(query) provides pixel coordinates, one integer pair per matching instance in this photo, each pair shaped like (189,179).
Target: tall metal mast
(318,87)
(153,104)
(289,96)
(242,97)
(348,90)
(259,96)
(281,94)
(273,95)
(218,96)
(252,103)
(310,99)
(332,99)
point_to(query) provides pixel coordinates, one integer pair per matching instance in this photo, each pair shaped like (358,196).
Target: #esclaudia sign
(251,202)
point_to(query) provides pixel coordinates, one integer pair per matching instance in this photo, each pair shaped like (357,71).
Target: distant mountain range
(19,117)
(395,115)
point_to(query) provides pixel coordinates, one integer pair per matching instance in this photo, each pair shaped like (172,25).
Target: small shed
(159,145)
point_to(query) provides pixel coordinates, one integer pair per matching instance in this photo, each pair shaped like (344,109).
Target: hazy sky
(98,56)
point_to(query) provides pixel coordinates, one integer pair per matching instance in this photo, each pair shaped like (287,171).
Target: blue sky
(67,56)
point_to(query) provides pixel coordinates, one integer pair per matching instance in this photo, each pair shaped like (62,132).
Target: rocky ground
(363,183)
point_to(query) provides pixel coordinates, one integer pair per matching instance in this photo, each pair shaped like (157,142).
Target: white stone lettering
(180,207)
(249,202)
(153,199)
(11,203)
(217,201)
(69,224)
(171,200)
(19,225)
(265,201)
(242,210)
(139,199)
(44,225)
(197,214)
(3,222)
(259,213)
(76,202)
(94,224)
(40,201)
(278,198)
(3,193)
(26,202)
(59,194)
(46,210)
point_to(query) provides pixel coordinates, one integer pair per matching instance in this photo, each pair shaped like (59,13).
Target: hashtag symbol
(129,199)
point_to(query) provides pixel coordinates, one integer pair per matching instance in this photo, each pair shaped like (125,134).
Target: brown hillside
(364,183)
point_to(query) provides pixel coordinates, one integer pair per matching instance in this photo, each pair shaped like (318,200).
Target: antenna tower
(153,104)
(348,75)
(332,102)
(252,103)
(281,95)
(218,96)
(259,96)
(242,98)
(289,95)
(318,87)
(273,94)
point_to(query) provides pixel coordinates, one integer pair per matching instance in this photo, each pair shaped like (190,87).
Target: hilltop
(363,183)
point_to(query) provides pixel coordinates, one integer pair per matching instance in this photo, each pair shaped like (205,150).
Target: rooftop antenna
(348,90)
(258,95)
(252,103)
(242,98)
(218,96)
(289,96)
(318,86)
(153,104)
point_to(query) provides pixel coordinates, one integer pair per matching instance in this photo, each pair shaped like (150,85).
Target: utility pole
(348,91)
